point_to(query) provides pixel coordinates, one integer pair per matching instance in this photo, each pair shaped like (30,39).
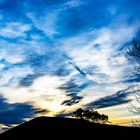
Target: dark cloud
(50,62)
(131,80)
(70,87)
(112,100)
(73,87)
(45,64)
(29,79)
(74,65)
(78,68)
(74,100)
(63,71)
(15,113)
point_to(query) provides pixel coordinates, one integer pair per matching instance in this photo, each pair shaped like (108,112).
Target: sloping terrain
(44,127)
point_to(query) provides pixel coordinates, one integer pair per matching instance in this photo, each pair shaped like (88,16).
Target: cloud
(14,30)
(112,100)
(102,57)
(74,100)
(46,23)
(14,114)
(9,59)
(42,94)
(73,87)
(13,74)
(44,85)
(61,55)
(43,64)
(73,3)
(134,79)
(66,18)
(96,53)
(75,66)
(28,80)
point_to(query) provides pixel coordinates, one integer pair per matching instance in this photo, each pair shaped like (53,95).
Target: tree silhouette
(78,113)
(134,57)
(91,115)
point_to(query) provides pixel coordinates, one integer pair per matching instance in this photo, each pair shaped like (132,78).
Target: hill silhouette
(65,128)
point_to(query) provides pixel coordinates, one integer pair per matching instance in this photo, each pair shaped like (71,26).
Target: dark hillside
(44,127)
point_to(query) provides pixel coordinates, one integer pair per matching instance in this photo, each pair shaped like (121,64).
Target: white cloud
(15,59)
(107,57)
(72,3)
(43,86)
(11,58)
(42,94)
(14,30)
(85,52)
(13,74)
(46,22)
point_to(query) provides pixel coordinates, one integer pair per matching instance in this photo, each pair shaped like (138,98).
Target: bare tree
(136,122)
(132,107)
(134,57)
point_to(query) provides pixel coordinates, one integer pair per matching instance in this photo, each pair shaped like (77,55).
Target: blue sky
(58,55)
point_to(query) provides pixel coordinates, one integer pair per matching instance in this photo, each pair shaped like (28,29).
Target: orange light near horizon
(126,121)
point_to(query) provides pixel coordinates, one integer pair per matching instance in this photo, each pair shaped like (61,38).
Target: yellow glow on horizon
(125,121)
(53,107)
(2,127)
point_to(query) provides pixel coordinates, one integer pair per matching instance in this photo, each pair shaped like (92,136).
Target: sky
(59,55)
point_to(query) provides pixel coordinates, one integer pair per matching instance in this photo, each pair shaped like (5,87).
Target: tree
(91,115)
(78,113)
(134,57)
(132,107)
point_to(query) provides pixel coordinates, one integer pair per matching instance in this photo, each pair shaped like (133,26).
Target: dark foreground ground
(47,128)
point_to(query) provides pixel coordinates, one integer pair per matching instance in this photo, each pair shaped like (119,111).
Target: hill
(65,128)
